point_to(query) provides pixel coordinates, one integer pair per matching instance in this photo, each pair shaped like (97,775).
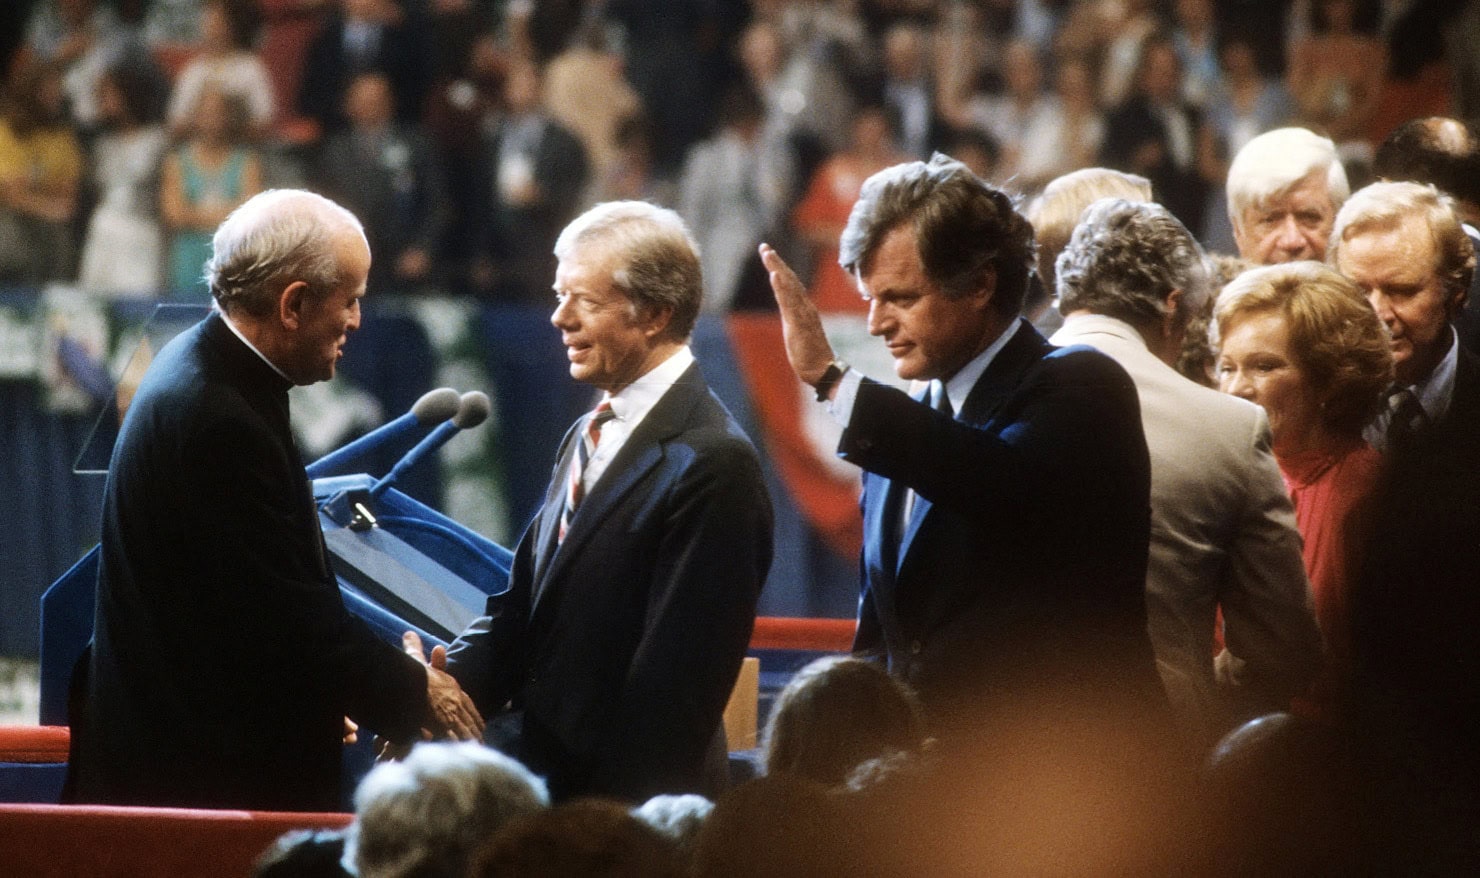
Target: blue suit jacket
(1024,566)
(621,644)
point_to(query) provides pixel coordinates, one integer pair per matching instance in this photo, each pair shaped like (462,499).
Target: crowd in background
(465,133)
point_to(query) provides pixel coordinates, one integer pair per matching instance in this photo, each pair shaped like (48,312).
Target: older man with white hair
(1284,188)
(1222,526)
(429,814)
(223,660)
(1404,246)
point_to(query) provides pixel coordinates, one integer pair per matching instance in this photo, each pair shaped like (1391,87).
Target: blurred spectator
(678,818)
(1443,152)
(388,175)
(1246,103)
(1269,19)
(203,180)
(427,816)
(1016,119)
(172,22)
(837,713)
(1069,135)
(824,209)
(586,92)
(1125,28)
(1037,21)
(1195,36)
(228,63)
(82,38)
(303,853)
(361,35)
(1284,188)
(1336,75)
(632,175)
(532,177)
(288,27)
(734,189)
(974,149)
(123,251)
(781,826)
(458,111)
(806,99)
(1044,135)
(454,26)
(40,171)
(589,837)
(1301,341)
(1155,133)
(679,63)
(908,92)
(1460,37)
(1287,798)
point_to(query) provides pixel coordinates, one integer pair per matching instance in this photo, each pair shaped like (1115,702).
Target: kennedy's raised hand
(806,343)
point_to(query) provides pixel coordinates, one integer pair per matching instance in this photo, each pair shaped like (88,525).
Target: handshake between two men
(451,713)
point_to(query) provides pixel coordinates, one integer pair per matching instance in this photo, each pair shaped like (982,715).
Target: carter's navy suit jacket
(621,644)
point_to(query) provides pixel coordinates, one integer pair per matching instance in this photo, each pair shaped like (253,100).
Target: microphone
(434,407)
(472,410)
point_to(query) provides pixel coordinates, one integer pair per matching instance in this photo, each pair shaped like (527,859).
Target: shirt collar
(253,348)
(633,402)
(958,387)
(1435,391)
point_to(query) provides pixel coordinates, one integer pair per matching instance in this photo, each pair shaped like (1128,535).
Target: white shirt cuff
(841,405)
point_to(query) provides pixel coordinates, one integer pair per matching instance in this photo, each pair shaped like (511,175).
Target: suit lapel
(549,517)
(898,531)
(1004,375)
(640,454)
(991,391)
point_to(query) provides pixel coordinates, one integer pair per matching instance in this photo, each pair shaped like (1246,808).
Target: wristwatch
(830,377)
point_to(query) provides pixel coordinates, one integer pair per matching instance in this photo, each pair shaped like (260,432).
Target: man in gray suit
(1222,527)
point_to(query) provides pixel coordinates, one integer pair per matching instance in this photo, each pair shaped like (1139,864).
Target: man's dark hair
(1442,152)
(964,228)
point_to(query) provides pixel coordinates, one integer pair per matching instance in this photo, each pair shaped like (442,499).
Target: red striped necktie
(574,490)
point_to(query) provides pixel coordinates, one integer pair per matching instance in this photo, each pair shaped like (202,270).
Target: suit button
(914,647)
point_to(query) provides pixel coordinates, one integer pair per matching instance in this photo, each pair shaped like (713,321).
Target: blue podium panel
(417,570)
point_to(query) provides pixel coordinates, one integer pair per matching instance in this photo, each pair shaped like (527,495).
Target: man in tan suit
(1222,527)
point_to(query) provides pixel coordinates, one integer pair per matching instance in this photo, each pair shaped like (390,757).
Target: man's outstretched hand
(452,710)
(806,342)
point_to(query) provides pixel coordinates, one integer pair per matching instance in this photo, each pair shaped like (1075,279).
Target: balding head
(276,238)
(1443,152)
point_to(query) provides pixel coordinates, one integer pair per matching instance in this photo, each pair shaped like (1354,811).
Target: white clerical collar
(633,402)
(959,386)
(253,348)
(1435,391)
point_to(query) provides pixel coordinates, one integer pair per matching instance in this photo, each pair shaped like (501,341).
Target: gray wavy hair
(428,814)
(273,239)
(1124,258)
